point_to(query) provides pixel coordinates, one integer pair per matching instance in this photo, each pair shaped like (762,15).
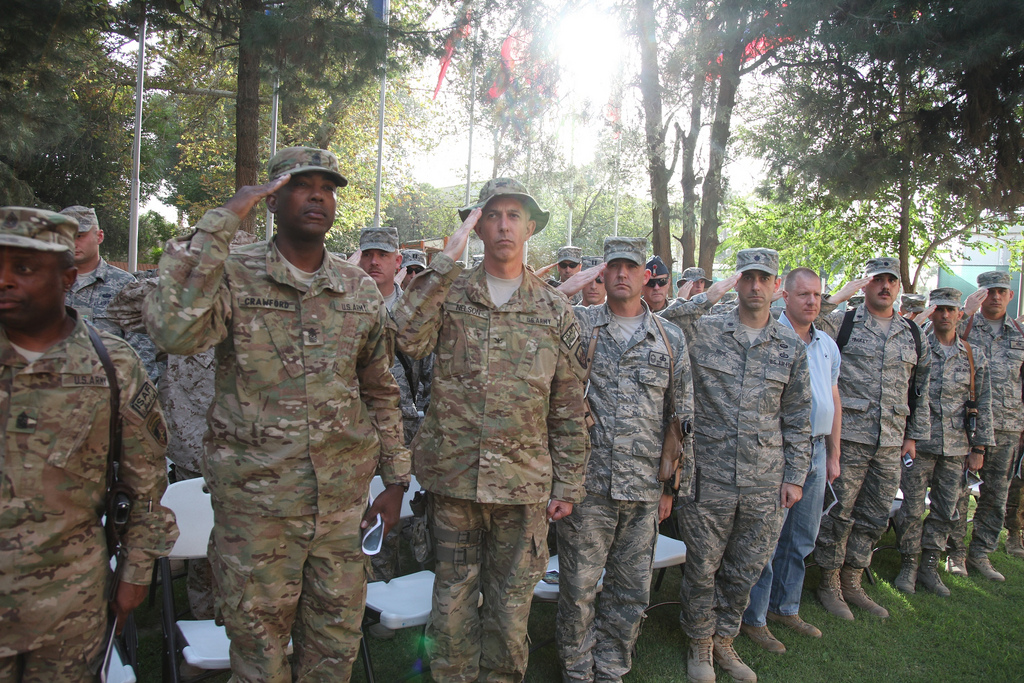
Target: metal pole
(269,232)
(380,123)
(469,160)
(572,178)
(133,221)
(618,160)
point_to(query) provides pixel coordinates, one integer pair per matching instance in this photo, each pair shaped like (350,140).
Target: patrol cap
(384,239)
(945,296)
(856,300)
(37,229)
(758,258)
(914,303)
(573,255)
(591,261)
(656,265)
(414,257)
(693,274)
(508,187)
(85,216)
(994,278)
(878,266)
(296,160)
(630,248)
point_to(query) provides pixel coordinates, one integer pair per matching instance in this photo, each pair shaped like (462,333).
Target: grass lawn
(973,636)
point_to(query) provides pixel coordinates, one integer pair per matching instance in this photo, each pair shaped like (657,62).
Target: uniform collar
(326,278)
(98,274)
(523,299)
(732,324)
(73,355)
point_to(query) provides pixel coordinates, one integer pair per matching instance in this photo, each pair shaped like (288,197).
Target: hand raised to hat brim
(460,238)
(716,291)
(577,282)
(972,304)
(848,290)
(685,289)
(248,196)
(544,271)
(354,258)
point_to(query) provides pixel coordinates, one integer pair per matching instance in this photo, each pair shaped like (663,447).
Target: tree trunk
(711,194)
(689,179)
(908,284)
(247,107)
(650,89)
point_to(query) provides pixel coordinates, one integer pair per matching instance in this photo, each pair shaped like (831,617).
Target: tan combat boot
(699,668)
(908,574)
(831,595)
(726,657)
(853,592)
(763,637)
(982,565)
(956,564)
(928,574)
(1014,545)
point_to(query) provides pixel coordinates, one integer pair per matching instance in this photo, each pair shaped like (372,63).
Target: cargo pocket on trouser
(229,584)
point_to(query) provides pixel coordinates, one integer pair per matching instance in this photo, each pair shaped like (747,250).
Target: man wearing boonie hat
(54,569)
(305,413)
(98,283)
(745,474)
(614,528)
(989,327)
(959,376)
(503,446)
(883,386)
(697,277)
(593,293)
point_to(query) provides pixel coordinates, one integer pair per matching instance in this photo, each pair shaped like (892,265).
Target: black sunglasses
(660,282)
(415,269)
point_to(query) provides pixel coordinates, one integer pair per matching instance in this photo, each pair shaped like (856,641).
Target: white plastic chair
(116,670)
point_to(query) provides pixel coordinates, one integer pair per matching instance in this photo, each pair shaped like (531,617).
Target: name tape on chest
(83,381)
(352,307)
(467,309)
(268,302)
(529,319)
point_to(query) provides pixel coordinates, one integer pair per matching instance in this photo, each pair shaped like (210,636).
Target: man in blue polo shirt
(776,595)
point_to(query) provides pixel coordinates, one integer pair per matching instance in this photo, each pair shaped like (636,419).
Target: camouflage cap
(856,300)
(945,296)
(694,275)
(508,187)
(85,216)
(414,257)
(591,261)
(383,238)
(573,255)
(878,266)
(994,279)
(758,258)
(631,248)
(37,229)
(296,160)
(912,303)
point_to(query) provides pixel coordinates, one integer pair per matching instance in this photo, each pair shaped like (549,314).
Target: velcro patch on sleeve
(144,400)
(571,336)
(156,427)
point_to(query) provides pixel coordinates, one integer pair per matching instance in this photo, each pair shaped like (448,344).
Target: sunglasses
(415,269)
(566,264)
(599,280)
(660,282)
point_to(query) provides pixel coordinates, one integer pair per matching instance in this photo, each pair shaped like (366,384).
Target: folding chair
(669,552)
(116,670)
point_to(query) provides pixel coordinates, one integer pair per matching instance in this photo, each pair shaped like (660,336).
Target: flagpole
(385,17)
(469,160)
(618,161)
(133,219)
(269,230)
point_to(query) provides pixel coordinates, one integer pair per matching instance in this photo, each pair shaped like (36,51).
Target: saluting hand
(577,282)
(717,291)
(973,302)
(848,290)
(460,238)
(247,197)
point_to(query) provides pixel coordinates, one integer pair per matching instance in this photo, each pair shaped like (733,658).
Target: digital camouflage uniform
(938,470)
(1005,353)
(304,413)
(503,435)
(54,561)
(615,527)
(873,387)
(752,433)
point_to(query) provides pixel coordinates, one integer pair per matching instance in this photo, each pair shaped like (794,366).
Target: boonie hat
(37,229)
(296,160)
(693,274)
(508,187)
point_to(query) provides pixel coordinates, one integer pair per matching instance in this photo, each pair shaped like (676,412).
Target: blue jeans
(782,580)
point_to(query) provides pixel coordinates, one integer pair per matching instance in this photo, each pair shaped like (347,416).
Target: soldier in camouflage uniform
(880,360)
(752,445)
(569,262)
(304,414)
(55,403)
(699,281)
(658,290)
(614,528)
(995,333)
(938,470)
(414,262)
(503,447)
(594,293)
(98,283)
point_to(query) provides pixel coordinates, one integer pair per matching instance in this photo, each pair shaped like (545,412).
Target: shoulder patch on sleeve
(572,335)
(144,400)
(156,427)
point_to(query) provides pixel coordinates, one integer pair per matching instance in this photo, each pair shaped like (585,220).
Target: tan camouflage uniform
(503,435)
(1005,351)
(873,384)
(304,414)
(54,565)
(616,525)
(938,470)
(752,433)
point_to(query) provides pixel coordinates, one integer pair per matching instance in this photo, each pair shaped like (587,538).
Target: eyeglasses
(414,269)
(660,282)
(566,264)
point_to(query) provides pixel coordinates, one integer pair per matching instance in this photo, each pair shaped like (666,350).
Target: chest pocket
(59,425)
(908,354)
(715,362)
(537,363)
(461,343)
(267,348)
